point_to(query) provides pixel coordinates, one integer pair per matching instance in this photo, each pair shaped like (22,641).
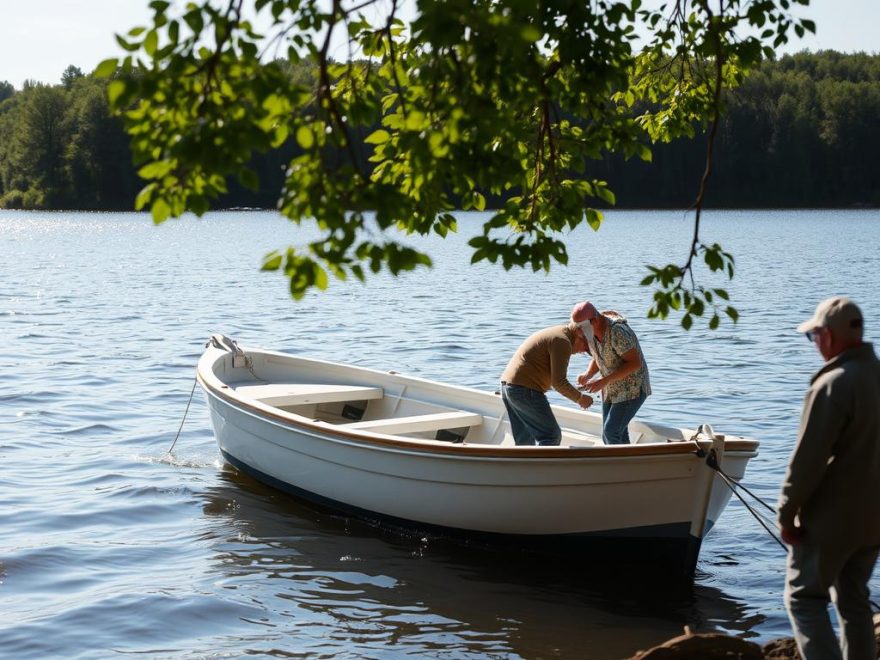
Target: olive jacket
(833,480)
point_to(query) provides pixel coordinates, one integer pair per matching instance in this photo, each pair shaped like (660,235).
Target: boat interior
(399,413)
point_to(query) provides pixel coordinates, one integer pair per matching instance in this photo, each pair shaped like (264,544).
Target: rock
(781,649)
(712,646)
(786,649)
(703,646)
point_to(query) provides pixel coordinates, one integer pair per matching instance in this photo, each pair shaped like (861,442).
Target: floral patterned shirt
(619,339)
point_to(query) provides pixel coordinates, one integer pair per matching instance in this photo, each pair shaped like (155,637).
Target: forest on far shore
(803,131)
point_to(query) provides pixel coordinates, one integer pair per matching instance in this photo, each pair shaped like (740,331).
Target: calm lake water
(109,548)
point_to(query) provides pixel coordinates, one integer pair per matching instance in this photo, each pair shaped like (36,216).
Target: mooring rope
(193,391)
(224,343)
(733,484)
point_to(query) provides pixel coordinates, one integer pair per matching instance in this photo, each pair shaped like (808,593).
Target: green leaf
(126,45)
(151,42)
(160,211)
(320,276)
(272,261)
(305,137)
(378,137)
(106,68)
(155,170)
(144,196)
(114,90)
(594,219)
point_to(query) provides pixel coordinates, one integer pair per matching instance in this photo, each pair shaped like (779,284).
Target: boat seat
(576,439)
(298,394)
(433,422)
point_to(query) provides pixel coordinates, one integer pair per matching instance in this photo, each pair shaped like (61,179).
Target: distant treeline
(803,131)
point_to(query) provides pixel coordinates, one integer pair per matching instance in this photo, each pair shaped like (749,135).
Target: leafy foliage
(800,132)
(70,76)
(489,97)
(6,90)
(61,148)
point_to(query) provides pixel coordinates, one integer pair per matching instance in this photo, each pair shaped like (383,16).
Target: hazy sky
(40,38)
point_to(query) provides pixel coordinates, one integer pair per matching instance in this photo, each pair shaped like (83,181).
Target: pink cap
(583,312)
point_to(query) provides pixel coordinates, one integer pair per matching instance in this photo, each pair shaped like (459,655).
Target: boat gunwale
(742,447)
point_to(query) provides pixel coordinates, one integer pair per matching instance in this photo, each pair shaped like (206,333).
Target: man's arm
(592,368)
(560,355)
(632,362)
(821,424)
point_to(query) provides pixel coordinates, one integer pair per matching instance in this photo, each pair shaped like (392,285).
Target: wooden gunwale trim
(465,449)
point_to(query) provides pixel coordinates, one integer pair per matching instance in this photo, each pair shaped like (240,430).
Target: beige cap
(839,314)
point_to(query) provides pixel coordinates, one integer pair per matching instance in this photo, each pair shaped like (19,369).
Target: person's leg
(852,599)
(807,600)
(616,418)
(518,429)
(606,411)
(533,410)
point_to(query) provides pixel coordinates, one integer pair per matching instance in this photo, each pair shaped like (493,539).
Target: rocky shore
(711,646)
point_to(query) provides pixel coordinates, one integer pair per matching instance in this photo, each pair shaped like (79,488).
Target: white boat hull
(662,491)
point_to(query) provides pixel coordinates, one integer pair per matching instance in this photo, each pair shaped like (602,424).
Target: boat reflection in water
(330,584)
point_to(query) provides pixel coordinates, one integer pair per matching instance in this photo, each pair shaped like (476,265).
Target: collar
(864,351)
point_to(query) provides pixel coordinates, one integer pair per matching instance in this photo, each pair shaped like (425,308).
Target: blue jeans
(616,417)
(807,600)
(531,420)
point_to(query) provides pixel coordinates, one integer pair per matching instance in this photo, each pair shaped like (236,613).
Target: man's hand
(585,401)
(595,385)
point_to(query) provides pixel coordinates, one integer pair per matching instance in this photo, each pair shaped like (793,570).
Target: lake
(108,547)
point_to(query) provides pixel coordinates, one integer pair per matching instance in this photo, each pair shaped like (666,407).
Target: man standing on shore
(829,508)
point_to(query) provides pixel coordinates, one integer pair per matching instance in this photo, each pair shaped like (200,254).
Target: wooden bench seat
(298,394)
(417,423)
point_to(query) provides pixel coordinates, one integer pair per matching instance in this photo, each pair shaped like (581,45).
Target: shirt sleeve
(821,423)
(560,355)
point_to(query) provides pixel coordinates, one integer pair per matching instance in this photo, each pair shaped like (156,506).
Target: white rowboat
(423,455)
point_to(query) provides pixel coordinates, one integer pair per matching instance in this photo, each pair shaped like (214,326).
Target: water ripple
(112,546)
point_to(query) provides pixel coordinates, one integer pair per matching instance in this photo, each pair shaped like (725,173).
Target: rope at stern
(712,461)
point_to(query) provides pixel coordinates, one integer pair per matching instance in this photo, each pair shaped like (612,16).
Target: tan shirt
(541,362)
(833,479)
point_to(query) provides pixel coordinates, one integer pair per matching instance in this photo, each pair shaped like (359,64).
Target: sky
(39,39)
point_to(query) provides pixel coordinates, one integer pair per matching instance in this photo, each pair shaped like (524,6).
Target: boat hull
(562,500)
(670,545)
